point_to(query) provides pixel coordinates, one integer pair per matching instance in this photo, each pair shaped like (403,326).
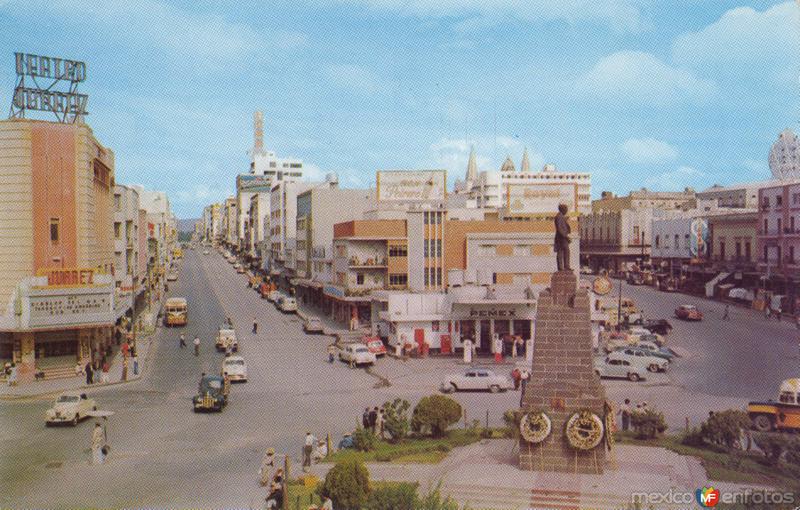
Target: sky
(640,93)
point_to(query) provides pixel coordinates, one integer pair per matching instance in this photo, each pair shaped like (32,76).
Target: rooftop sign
(37,77)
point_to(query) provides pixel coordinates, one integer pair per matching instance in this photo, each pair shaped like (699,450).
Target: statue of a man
(561,243)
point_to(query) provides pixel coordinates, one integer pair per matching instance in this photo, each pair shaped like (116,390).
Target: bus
(176,312)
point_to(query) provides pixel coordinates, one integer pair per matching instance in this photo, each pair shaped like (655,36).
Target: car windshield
(362,349)
(235,362)
(67,399)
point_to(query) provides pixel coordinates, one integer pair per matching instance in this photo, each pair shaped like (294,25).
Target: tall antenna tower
(258,133)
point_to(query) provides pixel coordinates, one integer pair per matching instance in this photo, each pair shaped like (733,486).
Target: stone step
(484,498)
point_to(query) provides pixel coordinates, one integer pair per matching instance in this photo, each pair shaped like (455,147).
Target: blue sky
(662,94)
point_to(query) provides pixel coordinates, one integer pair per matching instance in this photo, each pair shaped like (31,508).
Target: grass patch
(423,450)
(298,492)
(723,465)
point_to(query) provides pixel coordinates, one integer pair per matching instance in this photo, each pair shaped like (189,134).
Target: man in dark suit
(561,243)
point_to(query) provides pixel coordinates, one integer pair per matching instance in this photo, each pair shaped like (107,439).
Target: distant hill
(187,225)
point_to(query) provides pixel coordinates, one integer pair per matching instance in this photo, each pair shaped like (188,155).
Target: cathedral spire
(526,163)
(472,166)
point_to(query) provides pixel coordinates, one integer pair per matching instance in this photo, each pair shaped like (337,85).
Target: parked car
(644,357)
(206,252)
(273,296)
(586,270)
(240,269)
(312,325)
(375,345)
(235,368)
(357,353)
(659,326)
(69,407)
(688,313)
(172,276)
(287,304)
(212,394)
(615,366)
(655,350)
(476,379)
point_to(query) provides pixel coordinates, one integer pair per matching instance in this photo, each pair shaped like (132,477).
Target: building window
(658,241)
(398,279)
(636,234)
(766,225)
(791,254)
(427,277)
(747,250)
(438,247)
(359,278)
(722,250)
(791,224)
(55,223)
(779,225)
(686,240)
(398,251)
(117,203)
(117,230)
(676,244)
(438,276)
(778,201)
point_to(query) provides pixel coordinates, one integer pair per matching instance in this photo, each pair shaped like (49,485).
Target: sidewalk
(331,327)
(49,387)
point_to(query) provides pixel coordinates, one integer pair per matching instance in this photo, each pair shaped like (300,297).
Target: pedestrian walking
(308,447)
(267,464)
(625,413)
(105,369)
(98,438)
(516,375)
(365,418)
(97,365)
(331,353)
(12,375)
(255,326)
(726,314)
(89,372)
(196,343)
(373,419)
(275,496)
(514,348)
(182,343)
(498,348)
(135,364)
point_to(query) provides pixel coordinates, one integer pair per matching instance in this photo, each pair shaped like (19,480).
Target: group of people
(627,410)
(273,481)
(374,420)
(520,377)
(10,371)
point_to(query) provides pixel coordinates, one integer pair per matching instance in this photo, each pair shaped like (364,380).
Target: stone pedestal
(563,380)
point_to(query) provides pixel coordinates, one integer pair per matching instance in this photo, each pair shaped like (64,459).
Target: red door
(419,338)
(445,341)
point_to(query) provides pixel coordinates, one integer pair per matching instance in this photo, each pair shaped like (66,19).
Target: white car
(273,296)
(618,366)
(644,358)
(287,304)
(235,368)
(476,379)
(70,407)
(206,252)
(313,325)
(357,353)
(172,276)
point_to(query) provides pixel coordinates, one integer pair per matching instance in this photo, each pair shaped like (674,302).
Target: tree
(347,484)
(364,440)
(648,424)
(435,414)
(395,420)
(725,427)
(394,496)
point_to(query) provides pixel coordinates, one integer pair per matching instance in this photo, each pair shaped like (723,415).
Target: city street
(163,452)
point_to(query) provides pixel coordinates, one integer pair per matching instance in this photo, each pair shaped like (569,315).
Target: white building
(126,247)
(283,223)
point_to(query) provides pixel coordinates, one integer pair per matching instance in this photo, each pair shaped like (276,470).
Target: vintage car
(287,304)
(206,252)
(476,379)
(635,278)
(643,357)
(313,325)
(617,366)
(658,326)
(782,415)
(357,354)
(273,296)
(172,276)
(212,394)
(235,368)
(688,313)
(375,345)
(654,349)
(264,289)
(226,337)
(69,407)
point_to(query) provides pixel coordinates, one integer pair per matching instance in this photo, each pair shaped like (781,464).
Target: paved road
(164,454)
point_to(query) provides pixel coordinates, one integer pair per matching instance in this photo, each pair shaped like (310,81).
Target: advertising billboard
(699,239)
(536,198)
(411,185)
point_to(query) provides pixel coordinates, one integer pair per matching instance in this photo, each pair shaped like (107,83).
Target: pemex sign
(38,81)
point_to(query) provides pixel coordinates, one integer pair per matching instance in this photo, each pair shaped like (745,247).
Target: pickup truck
(226,337)
(781,415)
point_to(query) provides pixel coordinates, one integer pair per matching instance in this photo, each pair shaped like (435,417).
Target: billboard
(251,182)
(699,239)
(537,198)
(411,185)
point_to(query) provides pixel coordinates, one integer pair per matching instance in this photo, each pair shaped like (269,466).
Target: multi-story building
(283,225)
(56,244)
(229,219)
(126,247)
(617,233)
(514,189)
(779,230)
(266,163)
(318,210)
(258,226)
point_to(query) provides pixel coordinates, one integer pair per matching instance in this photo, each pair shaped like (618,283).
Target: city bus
(176,312)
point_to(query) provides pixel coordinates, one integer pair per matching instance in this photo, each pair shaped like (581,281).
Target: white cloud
(676,180)
(638,77)
(648,150)
(743,38)
(621,15)
(353,77)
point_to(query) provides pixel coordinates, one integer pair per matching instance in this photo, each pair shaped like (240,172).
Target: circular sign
(584,430)
(601,285)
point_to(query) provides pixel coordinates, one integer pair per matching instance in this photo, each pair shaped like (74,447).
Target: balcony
(367,263)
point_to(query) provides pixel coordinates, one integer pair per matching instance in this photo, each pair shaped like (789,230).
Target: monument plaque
(563,414)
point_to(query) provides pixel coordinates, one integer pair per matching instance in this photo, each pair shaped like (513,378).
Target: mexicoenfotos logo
(707,496)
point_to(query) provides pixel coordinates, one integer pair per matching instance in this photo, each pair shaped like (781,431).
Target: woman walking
(267,464)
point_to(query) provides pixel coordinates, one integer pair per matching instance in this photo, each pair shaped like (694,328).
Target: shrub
(772,444)
(347,484)
(511,420)
(434,414)
(725,427)
(395,419)
(694,438)
(399,496)
(648,424)
(433,500)
(364,440)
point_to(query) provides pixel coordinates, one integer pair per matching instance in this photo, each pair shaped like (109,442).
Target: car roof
(212,377)
(234,358)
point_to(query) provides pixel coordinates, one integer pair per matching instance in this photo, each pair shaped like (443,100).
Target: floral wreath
(535,427)
(584,430)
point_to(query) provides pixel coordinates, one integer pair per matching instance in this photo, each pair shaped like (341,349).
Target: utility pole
(619,307)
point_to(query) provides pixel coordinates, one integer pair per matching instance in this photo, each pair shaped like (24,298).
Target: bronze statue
(561,243)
